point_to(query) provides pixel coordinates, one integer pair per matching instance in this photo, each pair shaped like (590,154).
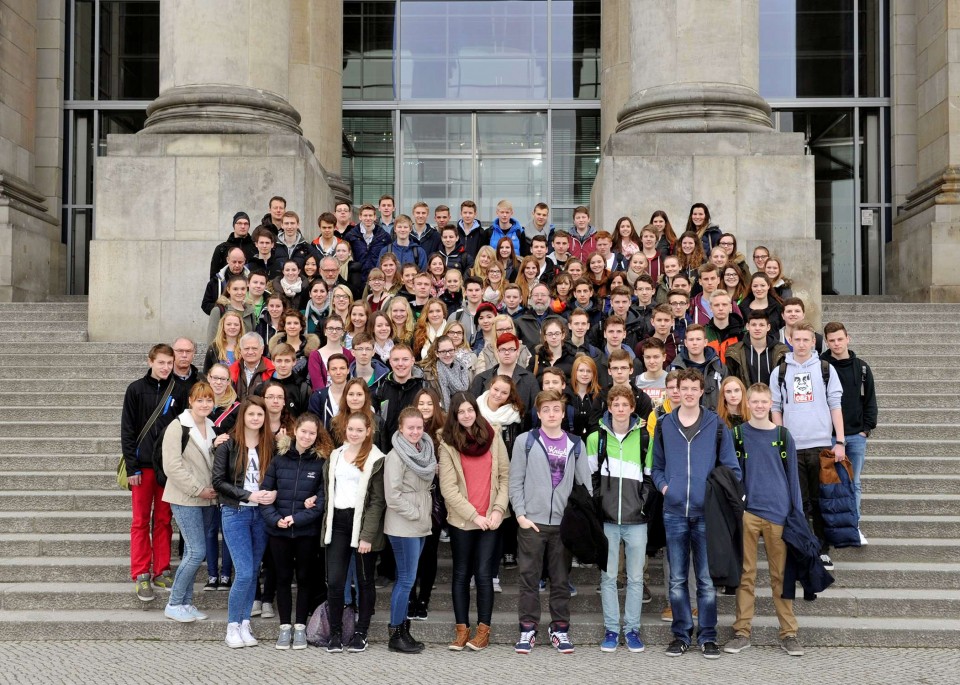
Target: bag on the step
(318,627)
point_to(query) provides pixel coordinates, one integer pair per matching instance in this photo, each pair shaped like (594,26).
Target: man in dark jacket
(185,374)
(273,220)
(367,239)
(236,264)
(754,358)
(291,243)
(696,355)
(240,237)
(395,391)
(425,235)
(473,235)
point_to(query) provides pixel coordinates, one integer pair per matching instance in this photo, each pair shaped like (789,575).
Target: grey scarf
(453,379)
(421,462)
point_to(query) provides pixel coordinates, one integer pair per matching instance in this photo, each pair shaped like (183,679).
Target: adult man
(662,321)
(473,235)
(264,257)
(273,220)
(236,265)
(506,227)
(696,355)
(441,216)
(579,327)
(620,373)
(367,239)
(687,445)
(583,241)
(539,225)
(239,237)
(325,244)
(140,434)
(726,326)
(290,242)
(467,314)
(387,207)
(531,319)
(330,273)
(426,236)
(395,391)
(753,359)
(343,211)
(617,451)
(252,369)
(811,409)
(635,327)
(184,373)
(508,352)
(859,403)
(406,251)
(772,488)
(793,313)
(538,250)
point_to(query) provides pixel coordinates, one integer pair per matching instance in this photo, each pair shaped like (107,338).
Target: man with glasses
(252,369)
(531,319)
(365,364)
(330,273)
(185,374)
(679,303)
(508,352)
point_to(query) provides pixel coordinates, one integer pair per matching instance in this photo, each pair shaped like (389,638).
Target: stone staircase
(64,524)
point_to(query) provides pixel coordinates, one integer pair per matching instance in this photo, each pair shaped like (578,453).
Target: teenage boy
(583,299)
(614,338)
(422,283)
(325,244)
(772,488)
(264,256)
(406,251)
(257,292)
(662,321)
(441,216)
(367,239)
(643,290)
(696,355)
(239,237)
(539,226)
(296,386)
(812,410)
(512,299)
(426,236)
(617,452)
(701,309)
(290,242)
(635,327)
(561,249)
(343,211)
(859,403)
(467,314)
(454,254)
(365,364)
(396,389)
(387,208)
(473,235)
(726,326)
(508,352)
(793,312)
(620,373)
(273,219)
(752,359)
(614,260)
(579,327)
(679,303)
(140,431)
(687,445)
(653,380)
(538,250)
(544,466)
(506,227)
(583,237)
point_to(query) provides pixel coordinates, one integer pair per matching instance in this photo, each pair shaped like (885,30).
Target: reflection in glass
(368,38)
(368,155)
(78,243)
(511,132)
(575,147)
(437,181)
(426,134)
(83,49)
(870,53)
(129,65)
(119,122)
(81,158)
(575,57)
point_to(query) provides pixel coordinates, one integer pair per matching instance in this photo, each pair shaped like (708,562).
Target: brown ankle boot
(460,641)
(481,639)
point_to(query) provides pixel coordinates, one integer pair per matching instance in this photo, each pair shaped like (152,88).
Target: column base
(696,107)
(921,260)
(32,255)
(214,108)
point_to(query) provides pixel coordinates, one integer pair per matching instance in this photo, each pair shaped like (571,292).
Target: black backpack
(158,456)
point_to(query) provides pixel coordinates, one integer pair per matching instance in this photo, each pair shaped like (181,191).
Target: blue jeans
(190,523)
(856,449)
(407,553)
(686,535)
(634,538)
(211,525)
(246,536)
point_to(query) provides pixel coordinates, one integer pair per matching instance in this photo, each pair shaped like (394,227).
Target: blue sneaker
(197,614)
(610,641)
(528,638)
(560,639)
(179,613)
(543,586)
(634,643)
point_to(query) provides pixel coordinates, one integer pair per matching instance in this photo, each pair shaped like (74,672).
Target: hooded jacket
(529,233)
(366,254)
(806,406)
(531,489)
(219,259)
(298,252)
(723,515)
(390,397)
(429,240)
(619,475)
(713,372)
(215,287)
(710,238)
(722,340)
(141,398)
(379,371)
(189,469)
(475,239)
(296,477)
(751,366)
(457,258)
(583,247)
(699,313)
(514,232)
(859,401)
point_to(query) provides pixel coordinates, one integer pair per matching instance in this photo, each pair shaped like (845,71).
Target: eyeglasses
(331,329)
(450,351)
(183,351)
(678,304)
(218,379)
(504,350)
(504,330)
(455,333)
(274,397)
(341,296)
(553,334)
(726,243)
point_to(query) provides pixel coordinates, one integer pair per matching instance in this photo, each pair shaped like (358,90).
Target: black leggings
(426,570)
(339,553)
(269,576)
(293,555)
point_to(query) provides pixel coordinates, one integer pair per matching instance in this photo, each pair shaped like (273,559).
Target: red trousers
(148,506)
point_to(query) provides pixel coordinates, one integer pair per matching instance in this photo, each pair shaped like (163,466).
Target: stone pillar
(30,249)
(695,129)
(921,262)
(221,137)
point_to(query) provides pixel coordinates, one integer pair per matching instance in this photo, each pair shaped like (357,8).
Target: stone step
(42,336)
(114,499)
(910,448)
(910,505)
(60,429)
(72,306)
(26,374)
(74,445)
(91,348)
(32,398)
(920,431)
(872,352)
(78,357)
(59,462)
(911,483)
(108,411)
(49,325)
(60,522)
(852,317)
(880,309)
(922,416)
(886,399)
(56,481)
(911,526)
(39,316)
(150,624)
(910,465)
(914,373)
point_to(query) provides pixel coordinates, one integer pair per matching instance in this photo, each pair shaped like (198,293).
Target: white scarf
(291,289)
(504,416)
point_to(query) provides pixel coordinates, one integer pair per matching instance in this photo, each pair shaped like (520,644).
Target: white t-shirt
(345,485)
(251,479)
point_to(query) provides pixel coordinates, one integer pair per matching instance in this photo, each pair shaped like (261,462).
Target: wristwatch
(841,442)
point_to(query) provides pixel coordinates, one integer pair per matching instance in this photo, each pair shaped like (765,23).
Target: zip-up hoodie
(531,488)
(514,231)
(859,407)
(298,252)
(713,372)
(429,240)
(751,366)
(806,408)
(619,481)
(582,248)
(684,466)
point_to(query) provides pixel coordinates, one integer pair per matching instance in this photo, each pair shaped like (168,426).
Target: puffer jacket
(621,477)
(296,477)
(838,503)
(368,508)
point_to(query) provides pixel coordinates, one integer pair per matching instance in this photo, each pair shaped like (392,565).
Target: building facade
(449,100)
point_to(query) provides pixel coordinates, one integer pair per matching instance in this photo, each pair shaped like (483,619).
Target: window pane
(129,50)
(437,181)
(575,147)
(512,132)
(576,49)
(368,154)
(427,134)
(806,48)
(119,122)
(81,159)
(368,42)
(83,50)
(871,50)
(81,233)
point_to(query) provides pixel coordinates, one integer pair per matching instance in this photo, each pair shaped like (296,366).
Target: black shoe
(358,643)
(336,641)
(677,648)
(509,561)
(399,642)
(710,650)
(212,583)
(405,626)
(420,613)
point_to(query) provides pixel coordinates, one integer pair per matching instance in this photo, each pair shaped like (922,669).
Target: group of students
(354,395)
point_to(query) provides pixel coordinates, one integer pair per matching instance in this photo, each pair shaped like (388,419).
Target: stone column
(30,249)
(221,137)
(922,258)
(695,129)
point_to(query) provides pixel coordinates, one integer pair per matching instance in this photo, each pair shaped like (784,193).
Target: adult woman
(444,371)
(554,350)
(408,475)
(428,404)
(189,491)
(474,478)
(648,241)
(437,268)
(760,256)
(733,409)
(340,300)
(311,267)
(733,283)
(224,414)
(271,316)
(296,476)
(494,284)
(318,306)
(667,240)
(376,294)
(294,336)
(486,256)
(598,274)
(508,259)
(773,268)
(353,526)
(626,240)
(401,320)
(238,469)
(430,326)
(690,254)
(575,268)
(528,277)
(763,298)
(718,257)
(292,285)
(586,397)
(457,334)
(225,345)
(279,420)
(637,266)
(358,316)
(234,299)
(560,300)
(317,363)
(699,222)
(390,266)
(382,336)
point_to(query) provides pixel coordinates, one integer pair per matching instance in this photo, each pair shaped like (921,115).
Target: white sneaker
(246,636)
(496,585)
(267,610)
(233,639)
(197,614)
(863,539)
(180,613)
(257,608)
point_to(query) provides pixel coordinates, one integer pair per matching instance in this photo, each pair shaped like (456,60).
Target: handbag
(122,466)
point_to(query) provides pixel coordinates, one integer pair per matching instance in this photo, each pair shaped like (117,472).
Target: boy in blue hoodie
(687,444)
